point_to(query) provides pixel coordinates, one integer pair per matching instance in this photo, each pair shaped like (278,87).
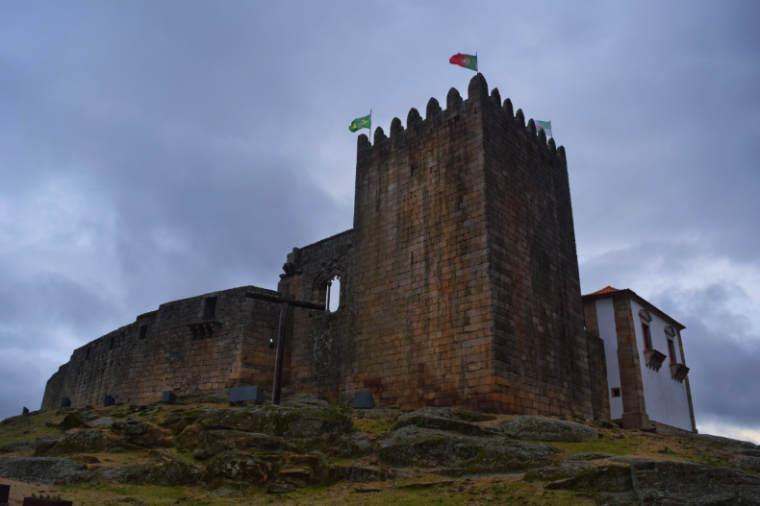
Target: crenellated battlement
(478,101)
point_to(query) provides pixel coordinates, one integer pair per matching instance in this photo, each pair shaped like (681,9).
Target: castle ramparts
(458,285)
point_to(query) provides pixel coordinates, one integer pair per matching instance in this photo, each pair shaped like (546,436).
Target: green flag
(363,122)
(546,126)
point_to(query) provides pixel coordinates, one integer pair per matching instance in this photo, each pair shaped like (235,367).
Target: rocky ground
(308,452)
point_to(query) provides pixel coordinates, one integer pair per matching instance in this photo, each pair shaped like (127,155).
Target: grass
(654,446)
(374,426)
(627,445)
(416,487)
(30,427)
(488,490)
(99,494)
(119,458)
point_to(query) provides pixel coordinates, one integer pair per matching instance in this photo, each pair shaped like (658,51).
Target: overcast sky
(156,150)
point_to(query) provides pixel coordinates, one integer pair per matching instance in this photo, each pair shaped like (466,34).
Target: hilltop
(309,452)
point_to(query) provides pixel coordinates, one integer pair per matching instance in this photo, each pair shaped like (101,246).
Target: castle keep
(458,286)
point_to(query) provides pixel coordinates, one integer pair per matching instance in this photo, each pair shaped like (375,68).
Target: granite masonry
(458,286)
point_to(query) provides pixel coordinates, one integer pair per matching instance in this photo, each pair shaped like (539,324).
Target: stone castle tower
(465,278)
(459,285)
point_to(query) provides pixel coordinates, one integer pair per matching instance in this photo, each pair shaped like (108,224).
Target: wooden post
(279,355)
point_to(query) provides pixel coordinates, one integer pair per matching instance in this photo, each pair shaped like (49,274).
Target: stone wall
(634,405)
(316,340)
(420,289)
(459,286)
(597,363)
(600,400)
(540,352)
(465,275)
(184,346)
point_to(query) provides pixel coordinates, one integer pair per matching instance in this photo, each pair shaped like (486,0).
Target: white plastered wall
(666,399)
(605,319)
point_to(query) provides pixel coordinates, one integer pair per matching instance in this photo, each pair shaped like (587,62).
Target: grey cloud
(723,356)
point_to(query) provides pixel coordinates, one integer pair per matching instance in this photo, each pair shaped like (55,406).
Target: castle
(457,285)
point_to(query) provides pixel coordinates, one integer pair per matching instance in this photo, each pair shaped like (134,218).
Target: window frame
(646,332)
(672,353)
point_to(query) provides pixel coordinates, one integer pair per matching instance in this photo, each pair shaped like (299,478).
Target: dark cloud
(723,354)
(151,151)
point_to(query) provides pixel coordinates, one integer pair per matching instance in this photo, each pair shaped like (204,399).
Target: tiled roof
(605,291)
(611,290)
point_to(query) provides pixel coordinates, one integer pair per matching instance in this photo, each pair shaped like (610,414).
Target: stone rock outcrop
(209,443)
(160,470)
(683,483)
(240,467)
(140,433)
(668,483)
(82,441)
(748,459)
(449,419)
(72,421)
(540,428)
(58,471)
(355,444)
(359,473)
(609,478)
(423,447)
(277,449)
(292,422)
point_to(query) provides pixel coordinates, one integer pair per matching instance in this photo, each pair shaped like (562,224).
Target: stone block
(362,400)
(168,397)
(39,501)
(246,393)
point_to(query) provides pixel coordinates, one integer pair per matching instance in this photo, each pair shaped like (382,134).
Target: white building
(647,377)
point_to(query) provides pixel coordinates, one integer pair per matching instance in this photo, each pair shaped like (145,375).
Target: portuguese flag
(468,61)
(363,122)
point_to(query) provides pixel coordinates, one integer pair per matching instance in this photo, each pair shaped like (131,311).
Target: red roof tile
(605,291)
(611,290)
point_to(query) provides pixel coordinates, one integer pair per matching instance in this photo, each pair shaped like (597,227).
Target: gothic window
(143,331)
(332,295)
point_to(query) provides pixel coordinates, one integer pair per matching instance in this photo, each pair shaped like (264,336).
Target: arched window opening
(332,295)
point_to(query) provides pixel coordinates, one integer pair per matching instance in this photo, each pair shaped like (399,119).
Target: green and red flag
(468,61)
(362,122)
